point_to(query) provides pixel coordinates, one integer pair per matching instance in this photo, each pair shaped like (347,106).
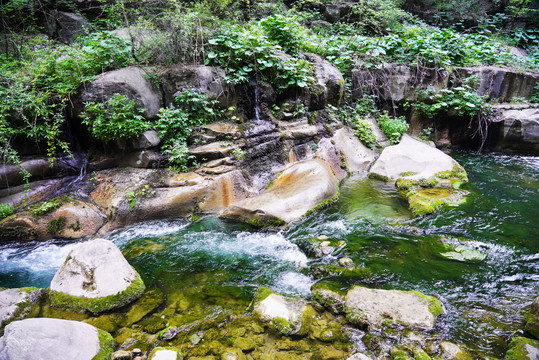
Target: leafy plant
(238,154)
(5,210)
(247,53)
(116,118)
(461,100)
(144,192)
(393,127)
(284,31)
(365,133)
(46,207)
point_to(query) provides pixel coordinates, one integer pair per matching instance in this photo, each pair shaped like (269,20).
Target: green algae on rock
(522,348)
(165,353)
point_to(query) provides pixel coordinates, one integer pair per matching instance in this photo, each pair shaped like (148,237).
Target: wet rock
(31,193)
(532,319)
(295,192)
(142,307)
(233,354)
(464,253)
(16,304)
(147,140)
(420,354)
(54,339)
(522,348)
(516,130)
(450,351)
(129,81)
(288,315)
(374,307)
(165,353)
(121,355)
(359,356)
(71,219)
(329,298)
(329,84)
(95,277)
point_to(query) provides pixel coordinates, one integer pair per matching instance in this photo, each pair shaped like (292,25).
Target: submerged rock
(288,315)
(464,253)
(16,304)
(95,277)
(52,339)
(373,307)
(450,351)
(522,348)
(295,192)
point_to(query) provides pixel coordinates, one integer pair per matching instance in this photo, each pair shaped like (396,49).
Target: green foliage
(364,131)
(393,127)
(142,193)
(238,154)
(116,118)
(283,31)
(46,207)
(245,53)
(461,100)
(379,16)
(535,95)
(5,210)
(37,80)
(176,123)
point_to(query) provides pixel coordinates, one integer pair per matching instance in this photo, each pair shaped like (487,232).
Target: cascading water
(484,300)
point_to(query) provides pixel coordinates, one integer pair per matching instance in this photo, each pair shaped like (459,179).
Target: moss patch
(435,306)
(97,305)
(282,325)
(56,225)
(107,346)
(323,205)
(375,176)
(519,348)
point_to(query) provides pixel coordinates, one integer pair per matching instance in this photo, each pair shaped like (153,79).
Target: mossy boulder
(52,339)
(522,348)
(95,277)
(288,315)
(328,296)
(424,175)
(374,307)
(451,351)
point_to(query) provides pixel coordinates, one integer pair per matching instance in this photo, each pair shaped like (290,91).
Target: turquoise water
(483,300)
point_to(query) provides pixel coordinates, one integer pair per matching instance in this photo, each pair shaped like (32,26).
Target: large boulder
(95,277)
(516,129)
(129,81)
(296,191)
(16,304)
(288,315)
(210,79)
(375,307)
(424,175)
(411,156)
(329,84)
(52,339)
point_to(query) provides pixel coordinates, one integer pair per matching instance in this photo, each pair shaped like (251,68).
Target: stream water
(223,263)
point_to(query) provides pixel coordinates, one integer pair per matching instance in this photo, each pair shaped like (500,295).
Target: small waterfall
(257,107)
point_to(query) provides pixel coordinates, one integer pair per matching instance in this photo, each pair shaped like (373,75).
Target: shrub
(116,118)
(365,133)
(393,127)
(5,210)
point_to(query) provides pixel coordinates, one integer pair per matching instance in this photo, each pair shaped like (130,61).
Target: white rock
(164,355)
(49,339)
(411,155)
(93,269)
(404,307)
(13,301)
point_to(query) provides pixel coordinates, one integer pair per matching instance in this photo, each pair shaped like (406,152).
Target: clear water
(484,301)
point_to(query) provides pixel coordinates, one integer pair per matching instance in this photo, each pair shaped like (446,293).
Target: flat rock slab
(411,156)
(95,277)
(372,307)
(298,189)
(53,339)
